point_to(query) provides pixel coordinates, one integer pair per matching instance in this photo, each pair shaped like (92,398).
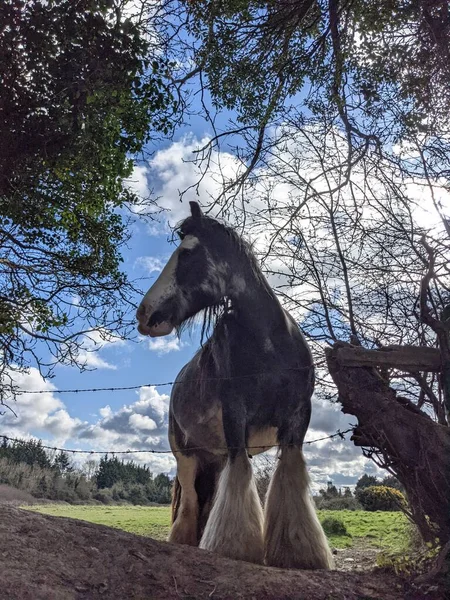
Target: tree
(113,470)
(348,493)
(330,492)
(62,463)
(29,452)
(81,92)
(392,482)
(366,481)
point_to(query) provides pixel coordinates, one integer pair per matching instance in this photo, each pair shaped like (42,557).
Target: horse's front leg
(234,527)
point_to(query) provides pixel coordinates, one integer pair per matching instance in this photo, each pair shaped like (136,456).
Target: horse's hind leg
(234,527)
(185,507)
(293,536)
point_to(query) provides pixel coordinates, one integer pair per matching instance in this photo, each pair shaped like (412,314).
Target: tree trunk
(399,437)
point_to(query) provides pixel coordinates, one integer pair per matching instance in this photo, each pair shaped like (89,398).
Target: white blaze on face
(163,288)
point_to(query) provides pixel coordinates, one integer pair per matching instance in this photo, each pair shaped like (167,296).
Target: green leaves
(81,95)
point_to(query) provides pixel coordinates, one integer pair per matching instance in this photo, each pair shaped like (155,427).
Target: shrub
(381,497)
(104,496)
(136,494)
(333,526)
(339,503)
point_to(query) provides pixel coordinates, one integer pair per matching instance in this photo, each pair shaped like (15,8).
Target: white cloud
(175,171)
(142,422)
(91,346)
(151,264)
(141,425)
(164,345)
(43,413)
(105,411)
(138,182)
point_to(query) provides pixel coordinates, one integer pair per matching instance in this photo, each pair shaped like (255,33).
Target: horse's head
(194,278)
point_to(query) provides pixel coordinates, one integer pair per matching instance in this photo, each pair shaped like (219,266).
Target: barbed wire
(165,383)
(338,433)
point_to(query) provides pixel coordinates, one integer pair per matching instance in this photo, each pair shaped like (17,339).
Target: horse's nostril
(140,311)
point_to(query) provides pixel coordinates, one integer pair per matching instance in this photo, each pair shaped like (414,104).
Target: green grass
(384,530)
(153,521)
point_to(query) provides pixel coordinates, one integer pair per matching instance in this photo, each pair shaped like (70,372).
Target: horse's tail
(176,498)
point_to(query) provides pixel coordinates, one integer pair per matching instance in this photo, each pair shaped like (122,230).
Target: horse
(246,390)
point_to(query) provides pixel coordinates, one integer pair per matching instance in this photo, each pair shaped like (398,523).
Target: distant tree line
(26,465)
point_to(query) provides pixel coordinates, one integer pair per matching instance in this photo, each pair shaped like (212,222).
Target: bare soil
(360,557)
(50,558)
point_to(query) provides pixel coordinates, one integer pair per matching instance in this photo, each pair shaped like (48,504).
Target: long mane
(213,232)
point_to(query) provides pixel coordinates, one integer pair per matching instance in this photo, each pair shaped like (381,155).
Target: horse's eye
(181,235)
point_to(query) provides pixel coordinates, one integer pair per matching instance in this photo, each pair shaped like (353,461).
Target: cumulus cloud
(142,422)
(174,171)
(42,414)
(151,264)
(93,343)
(138,182)
(141,425)
(164,345)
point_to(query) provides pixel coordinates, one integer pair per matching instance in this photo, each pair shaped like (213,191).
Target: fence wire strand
(338,433)
(165,383)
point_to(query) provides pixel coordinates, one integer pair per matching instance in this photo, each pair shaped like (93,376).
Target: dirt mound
(49,558)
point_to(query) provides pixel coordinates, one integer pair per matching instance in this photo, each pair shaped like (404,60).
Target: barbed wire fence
(338,433)
(20,392)
(262,458)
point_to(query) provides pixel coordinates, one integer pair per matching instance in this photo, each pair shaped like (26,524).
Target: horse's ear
(196,211)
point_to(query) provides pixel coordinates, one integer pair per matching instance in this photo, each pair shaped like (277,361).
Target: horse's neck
(257,309)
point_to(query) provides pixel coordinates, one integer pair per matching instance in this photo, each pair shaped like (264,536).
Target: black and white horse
(249,385)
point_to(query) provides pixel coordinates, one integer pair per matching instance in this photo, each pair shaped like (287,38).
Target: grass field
(385,530)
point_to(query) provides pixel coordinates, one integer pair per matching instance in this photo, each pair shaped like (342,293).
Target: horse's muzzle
(151,323)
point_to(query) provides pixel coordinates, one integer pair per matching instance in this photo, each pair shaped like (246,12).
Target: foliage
(392,482)
(366,481)
(45,482)
(380,497)
(414,562)
(26,465)
(81,92)
(333,499)
(342,502)
(333,526)
(355,57)
(130,482)
(113,470)
(29,452)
